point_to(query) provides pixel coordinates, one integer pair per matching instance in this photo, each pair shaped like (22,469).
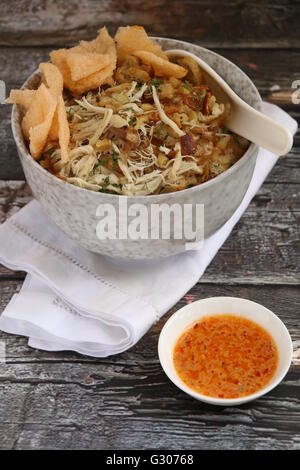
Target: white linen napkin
(76,300)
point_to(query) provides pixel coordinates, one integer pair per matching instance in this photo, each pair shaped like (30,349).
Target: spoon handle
(260,129)
(243,119)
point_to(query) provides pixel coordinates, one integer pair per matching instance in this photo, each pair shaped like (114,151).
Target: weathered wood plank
(125,410)
(10,166)
(270,228)
(267,68)
(13,196)
(222,24)
(68,401)
(273,237)
(63,400)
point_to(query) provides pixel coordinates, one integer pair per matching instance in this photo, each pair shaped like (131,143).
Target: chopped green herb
(157,82)
(70,113)
(236,140)
(160,129)
(105,184)
(138,85)
(132,121)
(224,130)
(115,185)
(188,86)
(50,151)
(202,94)
(101,162)
(115,159)
(166,136)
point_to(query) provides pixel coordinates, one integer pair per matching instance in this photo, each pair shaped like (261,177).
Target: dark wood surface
(221,23)
(64,400)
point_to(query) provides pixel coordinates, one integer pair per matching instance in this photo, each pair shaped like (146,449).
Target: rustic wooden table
(64,400)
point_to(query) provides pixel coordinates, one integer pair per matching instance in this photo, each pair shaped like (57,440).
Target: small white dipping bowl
(186,316)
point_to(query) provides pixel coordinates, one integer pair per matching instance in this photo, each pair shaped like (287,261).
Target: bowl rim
(162,348)
(22,146)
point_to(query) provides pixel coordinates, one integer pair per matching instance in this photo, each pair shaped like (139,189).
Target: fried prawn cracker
(65,60)
(37,121)
(133,38)
(21,97)
(161,67)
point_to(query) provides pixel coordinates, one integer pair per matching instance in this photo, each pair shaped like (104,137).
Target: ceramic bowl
(186,316)
(74,209)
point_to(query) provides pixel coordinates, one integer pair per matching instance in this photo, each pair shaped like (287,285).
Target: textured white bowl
(186,316)
(74,209)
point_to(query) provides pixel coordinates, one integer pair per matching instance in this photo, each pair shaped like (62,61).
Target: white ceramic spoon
(243,120)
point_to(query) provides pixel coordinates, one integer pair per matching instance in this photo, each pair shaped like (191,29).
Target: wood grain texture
(63,400)
(68,401)
(212,23)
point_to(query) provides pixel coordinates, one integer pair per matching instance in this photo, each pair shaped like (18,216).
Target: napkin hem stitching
(81,266)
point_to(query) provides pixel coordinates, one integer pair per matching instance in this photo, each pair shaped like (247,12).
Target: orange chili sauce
(225,356)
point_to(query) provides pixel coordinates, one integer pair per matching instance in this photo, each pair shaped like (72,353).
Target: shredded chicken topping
(138,138)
